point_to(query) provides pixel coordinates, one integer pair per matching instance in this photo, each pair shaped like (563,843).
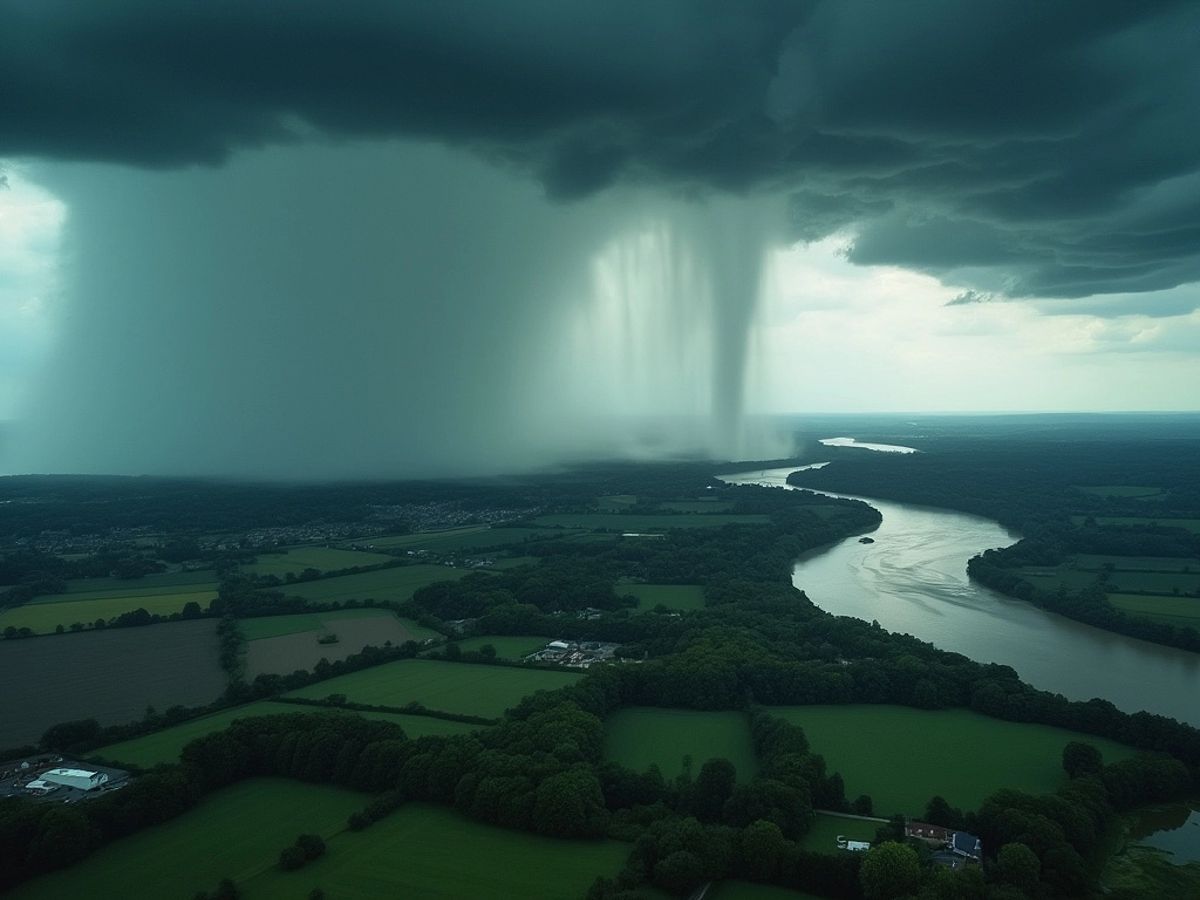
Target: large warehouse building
(81,779)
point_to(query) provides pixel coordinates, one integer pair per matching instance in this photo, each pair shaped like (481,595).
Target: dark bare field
(111,676)
(286,653)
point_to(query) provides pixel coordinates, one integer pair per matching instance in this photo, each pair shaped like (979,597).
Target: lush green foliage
(640,737)
(235,833)
(903,756)
(454,687)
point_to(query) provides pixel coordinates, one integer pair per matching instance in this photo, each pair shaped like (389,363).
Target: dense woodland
(757,642)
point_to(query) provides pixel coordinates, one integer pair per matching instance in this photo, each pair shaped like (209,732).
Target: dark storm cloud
(1025,148)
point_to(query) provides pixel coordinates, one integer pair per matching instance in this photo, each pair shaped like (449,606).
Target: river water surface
(913,579)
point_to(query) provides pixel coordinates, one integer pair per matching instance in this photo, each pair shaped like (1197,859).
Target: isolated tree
(863,805)
(1018,866)
(1080,759)
(890,870)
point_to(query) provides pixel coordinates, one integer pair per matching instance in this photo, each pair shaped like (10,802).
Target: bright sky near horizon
(831,336)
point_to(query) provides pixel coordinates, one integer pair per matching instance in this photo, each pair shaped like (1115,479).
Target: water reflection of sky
(854,442)
(1175,829)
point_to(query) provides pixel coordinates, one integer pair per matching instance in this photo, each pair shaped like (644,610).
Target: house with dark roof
(966,845)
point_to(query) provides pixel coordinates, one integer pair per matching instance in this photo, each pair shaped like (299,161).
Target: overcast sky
(576,210)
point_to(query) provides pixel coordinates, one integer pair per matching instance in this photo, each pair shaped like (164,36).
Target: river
(914,579)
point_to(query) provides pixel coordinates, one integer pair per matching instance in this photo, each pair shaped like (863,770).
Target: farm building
(923,831)
(80,779)
(853,846)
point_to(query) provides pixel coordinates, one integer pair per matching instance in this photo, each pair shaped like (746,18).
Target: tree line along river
(913,579)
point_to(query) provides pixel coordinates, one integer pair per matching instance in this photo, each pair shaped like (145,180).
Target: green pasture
(323,559)
(235,833)
(1183,612)
(748,890)
(697,506)
(822,836)
(472,537)
(616,502)
(638,737)
(155,583)
(1135,491)
(506,647)
(513,562)
(672,596)
(631,522)
(1192,525)
(398,583)
(1154,582)
(425,852)
(165,746)
(475,690)
(274,626)
(1096,562)
(902,756)
(43,618)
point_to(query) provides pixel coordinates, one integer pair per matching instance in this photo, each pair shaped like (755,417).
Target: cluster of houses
(574,655)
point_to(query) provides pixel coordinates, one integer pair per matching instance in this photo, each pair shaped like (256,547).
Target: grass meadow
(425,852)
(638,737)
(471,537)
(1135,491)
(324,559)
(672,596)
(474,690)
(822,836)
(633,522)
(506,647)
(276,626)
(235,833)
(1183,612)
(45,617)
(398,583)
(165,746)
(902,756)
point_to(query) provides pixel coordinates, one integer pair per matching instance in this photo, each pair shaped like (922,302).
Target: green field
(397,584)
(424,852)
(1147,563)
(747,890)
(44,617)
(1183,612)
(506,647)
(323,559)
(235,833)
(166,745)
(822,836)
(1120,490)
(128,587)
(1192,525)
(471,537)
(901,756)
(639,737)
(474,690)
(613,522)
(697,506)
(274,626)
(672,596)
(616,502)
